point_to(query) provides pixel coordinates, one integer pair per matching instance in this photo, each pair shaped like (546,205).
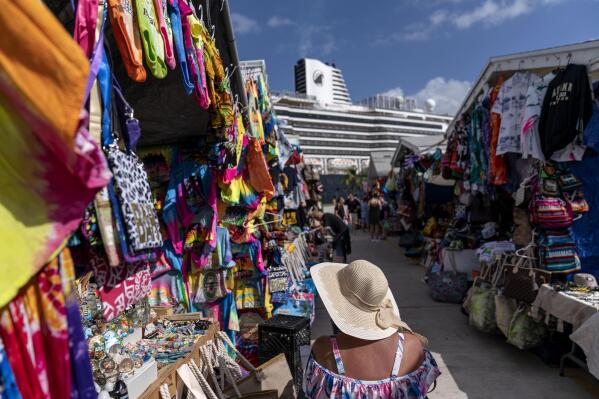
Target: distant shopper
(353,206)
(364,212)
(375,209)
(341,238)
(342,211)
(385,219)
(376,354)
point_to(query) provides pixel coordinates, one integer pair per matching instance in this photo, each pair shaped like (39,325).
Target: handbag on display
(131,186)
(524,332)
(121,286)
(448,286)
(551,213)
(567,180)
(557,250)
(504,312)
(522,281)
(577,202)
(522,230)
(482,299)
(548,184)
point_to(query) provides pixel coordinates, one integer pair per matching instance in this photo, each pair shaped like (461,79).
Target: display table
(581,310)
(567,306)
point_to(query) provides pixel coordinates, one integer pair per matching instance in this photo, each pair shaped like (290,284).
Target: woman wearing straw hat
(376,355)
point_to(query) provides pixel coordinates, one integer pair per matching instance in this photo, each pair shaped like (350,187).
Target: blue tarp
(586,229)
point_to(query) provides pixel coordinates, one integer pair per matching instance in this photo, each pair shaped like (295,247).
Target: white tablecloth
(565,307)
(583,314)
(587,337)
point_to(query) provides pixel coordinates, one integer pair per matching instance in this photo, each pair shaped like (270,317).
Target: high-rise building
(323,81)
(336,135)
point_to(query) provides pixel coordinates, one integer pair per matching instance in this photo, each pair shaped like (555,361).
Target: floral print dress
(321,383)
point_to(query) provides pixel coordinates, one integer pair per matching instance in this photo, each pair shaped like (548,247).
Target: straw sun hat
(358,299)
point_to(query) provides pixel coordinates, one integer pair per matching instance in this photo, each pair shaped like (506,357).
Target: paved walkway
(474,365)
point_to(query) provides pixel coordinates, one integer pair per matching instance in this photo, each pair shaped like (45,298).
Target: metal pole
(230,39)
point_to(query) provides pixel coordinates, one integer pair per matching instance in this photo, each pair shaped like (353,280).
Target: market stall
(164,223)
(519,150)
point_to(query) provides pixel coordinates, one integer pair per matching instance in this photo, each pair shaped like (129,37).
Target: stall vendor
(341,240)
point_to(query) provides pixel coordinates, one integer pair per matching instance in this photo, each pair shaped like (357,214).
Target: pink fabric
(169,55)
(120,286)
(85,25)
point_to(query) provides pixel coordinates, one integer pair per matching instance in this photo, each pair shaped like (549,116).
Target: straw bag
(504,312)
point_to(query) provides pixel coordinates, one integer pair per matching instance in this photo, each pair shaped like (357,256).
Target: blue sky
(420,48)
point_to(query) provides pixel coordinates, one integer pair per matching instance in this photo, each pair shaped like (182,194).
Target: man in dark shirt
(353,205)
(341,240)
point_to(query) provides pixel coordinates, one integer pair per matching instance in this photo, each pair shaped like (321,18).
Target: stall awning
(380,164)
(417,145)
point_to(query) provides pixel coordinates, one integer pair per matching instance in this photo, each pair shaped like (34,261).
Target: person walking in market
(375,210)
(364,212)
(341,237)
(353,206)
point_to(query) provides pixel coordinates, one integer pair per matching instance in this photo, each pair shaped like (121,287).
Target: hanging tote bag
(448,286)
(130,183)
(551,213)
(522,281)
(525,332)
(504,312)
(482,301)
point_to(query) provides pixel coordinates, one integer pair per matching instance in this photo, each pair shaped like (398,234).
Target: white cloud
(315,40)
(277,22)
(447,93)
(487,13)
(243,24)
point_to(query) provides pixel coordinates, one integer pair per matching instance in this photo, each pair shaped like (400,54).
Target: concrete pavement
(474,364)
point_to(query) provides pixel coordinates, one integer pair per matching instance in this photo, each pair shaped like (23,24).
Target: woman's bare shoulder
(413,353)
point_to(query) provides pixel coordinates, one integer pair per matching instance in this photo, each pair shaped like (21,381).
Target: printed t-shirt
(567,108)
(510,105)
(531,142)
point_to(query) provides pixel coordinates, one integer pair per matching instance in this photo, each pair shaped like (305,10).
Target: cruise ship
(336,134)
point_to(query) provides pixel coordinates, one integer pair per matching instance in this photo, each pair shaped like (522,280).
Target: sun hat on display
(358,299)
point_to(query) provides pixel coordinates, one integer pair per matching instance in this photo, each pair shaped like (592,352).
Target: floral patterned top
(321,383)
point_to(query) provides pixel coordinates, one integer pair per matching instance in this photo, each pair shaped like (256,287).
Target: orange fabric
(126,34)
(49,83)
(497,165)
(258,169)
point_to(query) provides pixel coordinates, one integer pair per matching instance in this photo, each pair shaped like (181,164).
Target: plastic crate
(285,334)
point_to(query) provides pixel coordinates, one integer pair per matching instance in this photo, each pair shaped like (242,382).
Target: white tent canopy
(380,164)
(417,145)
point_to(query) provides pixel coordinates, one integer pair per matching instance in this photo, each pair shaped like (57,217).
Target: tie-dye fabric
(321,383)
(8,385)
(49,171)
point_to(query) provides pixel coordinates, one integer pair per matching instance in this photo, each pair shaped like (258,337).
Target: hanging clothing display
(56,168)
(567,107)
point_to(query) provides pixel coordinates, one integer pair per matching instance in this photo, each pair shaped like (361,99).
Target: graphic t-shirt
(567,108)
(531,142)
(510,105)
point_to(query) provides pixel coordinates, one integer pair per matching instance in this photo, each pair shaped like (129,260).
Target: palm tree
(353,179)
